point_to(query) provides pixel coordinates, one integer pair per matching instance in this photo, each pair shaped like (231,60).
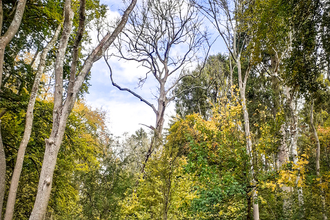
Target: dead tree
(155,33)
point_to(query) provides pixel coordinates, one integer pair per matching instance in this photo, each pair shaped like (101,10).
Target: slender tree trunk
(283,152)
(318,146)
(242,86)
(10,33)
(293,131)
(28,128)
(282,158)
(231,70)
(318,152)
(162,102)
(2,172)
(159,127)
(4,41)
(59,121)
(48,167)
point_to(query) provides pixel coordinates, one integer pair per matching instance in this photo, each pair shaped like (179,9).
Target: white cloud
(124,116)
(126,113)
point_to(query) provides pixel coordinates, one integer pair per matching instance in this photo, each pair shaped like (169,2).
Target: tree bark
(318,146)
(283,152)
(318,152)
(28,128)
(293,131)
(10,33)
(242,87)
(4,41)
(56,136)
(62,111)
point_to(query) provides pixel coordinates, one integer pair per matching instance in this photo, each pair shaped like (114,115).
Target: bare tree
(157,31)
(4,41)
(224,15)
(63,105)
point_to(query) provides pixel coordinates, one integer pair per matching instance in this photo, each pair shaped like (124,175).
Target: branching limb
(128,90)
(77,41)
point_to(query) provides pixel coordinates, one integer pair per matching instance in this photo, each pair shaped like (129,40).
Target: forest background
(248,82)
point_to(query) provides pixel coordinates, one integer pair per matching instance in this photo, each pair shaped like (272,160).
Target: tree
(156,29)
(62,109)
(4,41)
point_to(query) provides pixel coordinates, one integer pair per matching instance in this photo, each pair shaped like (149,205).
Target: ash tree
(165,37)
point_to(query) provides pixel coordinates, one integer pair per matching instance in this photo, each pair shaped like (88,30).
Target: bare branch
(128,90)
(191,75)
(77,41)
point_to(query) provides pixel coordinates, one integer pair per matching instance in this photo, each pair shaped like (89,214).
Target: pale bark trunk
(59,122)
(283,152)
(318,146)
(162,102)
(10,33)
(318,152)
(28,128)
(293,132)
(62,111)
(4,41)
(231,70)
(2,172)
(156,140)
(242,87)
(282,158)
(48,167)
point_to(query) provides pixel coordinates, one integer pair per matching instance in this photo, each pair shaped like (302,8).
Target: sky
(125,113)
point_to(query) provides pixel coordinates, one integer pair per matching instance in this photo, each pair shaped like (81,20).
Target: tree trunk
(242,87)
(4,41)
(293,135)
(162,102)
(2,172)
(282,158)
(318,152)
(161,110)
(28,128)
(47,171)
(283,152)
(10,33)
